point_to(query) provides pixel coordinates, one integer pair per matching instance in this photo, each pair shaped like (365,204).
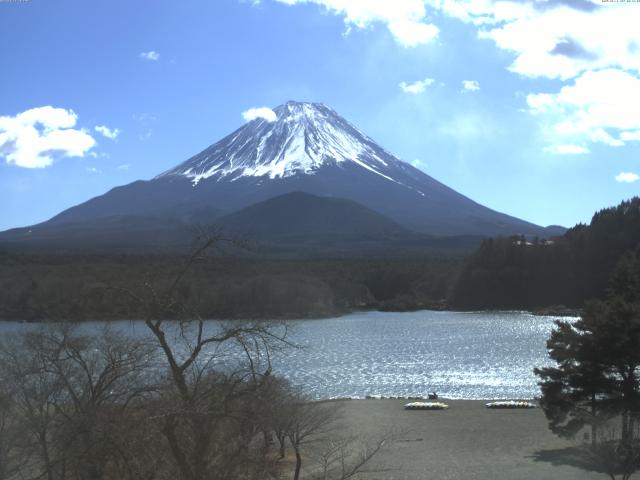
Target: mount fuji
(302,147)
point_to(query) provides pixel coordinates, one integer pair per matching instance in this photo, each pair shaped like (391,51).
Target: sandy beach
(467,441)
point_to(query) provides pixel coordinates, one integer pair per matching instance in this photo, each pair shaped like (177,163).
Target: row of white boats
(493,405)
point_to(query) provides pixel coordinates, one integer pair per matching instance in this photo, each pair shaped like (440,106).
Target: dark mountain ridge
(299,216)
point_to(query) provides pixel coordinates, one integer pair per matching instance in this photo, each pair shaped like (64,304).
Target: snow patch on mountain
(303,138)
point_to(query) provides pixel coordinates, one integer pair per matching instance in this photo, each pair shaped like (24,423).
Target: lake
(479,355)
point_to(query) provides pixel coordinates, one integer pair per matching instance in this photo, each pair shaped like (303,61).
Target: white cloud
(554,38)
(416,87)
(93,170)
(151,55)
(409,33)
(419,163)
(107,132)
(601,106)
(124,166)
(591,46)
(566,149)
(264,113)
(406,20)
(630,136)
(627,177)
(470,85)
(95,154)
(31,138)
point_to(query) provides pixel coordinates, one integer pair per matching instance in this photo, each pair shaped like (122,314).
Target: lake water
(486,355)
(459,355)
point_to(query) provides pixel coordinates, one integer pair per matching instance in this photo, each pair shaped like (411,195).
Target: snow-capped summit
(303,138)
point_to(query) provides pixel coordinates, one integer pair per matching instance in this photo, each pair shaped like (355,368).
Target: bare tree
(276,414)
(34,395)
(70,393)
(341,458)
(309,422)
(207,424)
(13,454)
(313,429)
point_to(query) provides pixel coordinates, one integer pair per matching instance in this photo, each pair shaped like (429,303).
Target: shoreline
(467,440)
(542,312)
(418,398)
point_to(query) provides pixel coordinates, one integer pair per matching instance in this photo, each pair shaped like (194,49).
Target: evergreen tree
(596,380)
(574,392)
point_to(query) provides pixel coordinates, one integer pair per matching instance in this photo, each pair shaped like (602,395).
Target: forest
(518,273)
(81,287)
(521,273)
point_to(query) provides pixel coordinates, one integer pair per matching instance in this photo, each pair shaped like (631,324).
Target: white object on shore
(392,397)
(510,404)
(426,406)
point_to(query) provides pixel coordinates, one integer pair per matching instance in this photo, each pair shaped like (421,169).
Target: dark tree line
(41,287)
(522,273)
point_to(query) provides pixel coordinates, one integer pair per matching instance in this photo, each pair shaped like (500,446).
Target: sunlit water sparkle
(479,355)
(484,355)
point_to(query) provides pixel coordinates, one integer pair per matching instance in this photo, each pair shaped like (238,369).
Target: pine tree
(596,380)
(574,392)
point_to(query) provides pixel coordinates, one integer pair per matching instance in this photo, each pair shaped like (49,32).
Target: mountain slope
(299,216)
(117,233)
(307,148)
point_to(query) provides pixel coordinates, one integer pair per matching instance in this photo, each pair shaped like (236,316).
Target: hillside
(514,273)
(302,217)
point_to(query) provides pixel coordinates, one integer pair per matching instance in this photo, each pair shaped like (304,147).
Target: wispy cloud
(470,85)
(151,55)
(416,87)
(32,138)
(110,133)
(93,170)
(419,163)
(145,135)
(567,149)
(406,20)
(146,121)
(264,113)
(469,126)
(94,154)
(627,177)
(124,166)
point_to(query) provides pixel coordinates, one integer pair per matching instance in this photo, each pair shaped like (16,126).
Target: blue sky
(529,107)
